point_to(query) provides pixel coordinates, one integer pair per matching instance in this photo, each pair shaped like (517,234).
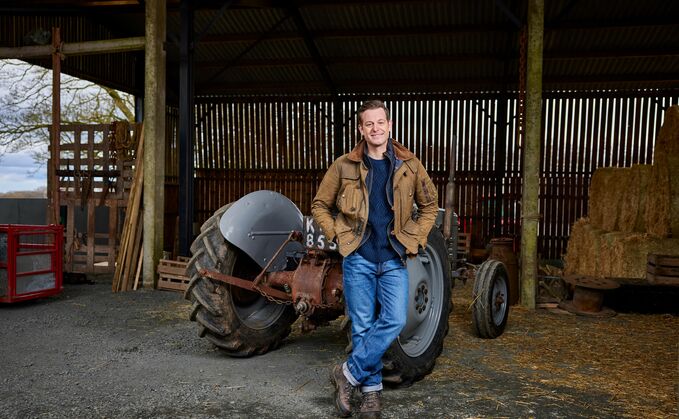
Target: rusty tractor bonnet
(259,223)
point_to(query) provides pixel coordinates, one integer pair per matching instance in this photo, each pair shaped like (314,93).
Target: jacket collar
(400,152)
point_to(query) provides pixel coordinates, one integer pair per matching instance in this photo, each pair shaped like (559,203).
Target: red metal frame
(53,245)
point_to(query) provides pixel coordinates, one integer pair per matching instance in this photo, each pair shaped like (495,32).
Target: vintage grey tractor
(258,264)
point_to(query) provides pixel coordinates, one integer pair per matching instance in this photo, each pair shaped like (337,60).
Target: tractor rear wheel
(412,356)
(241,322)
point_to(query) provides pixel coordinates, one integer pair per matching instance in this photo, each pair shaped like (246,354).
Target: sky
(18,172)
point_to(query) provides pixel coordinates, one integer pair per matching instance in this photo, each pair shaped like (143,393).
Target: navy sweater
(377,247)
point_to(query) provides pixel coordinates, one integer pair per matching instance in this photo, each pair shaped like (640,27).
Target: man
(372,189)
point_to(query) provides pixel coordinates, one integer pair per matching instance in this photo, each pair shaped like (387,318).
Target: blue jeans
(376,296)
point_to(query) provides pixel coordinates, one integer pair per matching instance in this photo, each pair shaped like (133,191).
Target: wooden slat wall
(287,145)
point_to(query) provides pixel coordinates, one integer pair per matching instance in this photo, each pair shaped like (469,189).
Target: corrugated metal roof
(344,46)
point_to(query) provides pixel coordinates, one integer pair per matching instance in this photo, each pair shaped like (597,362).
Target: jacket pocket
(411,236)
(349,197)
(344,231)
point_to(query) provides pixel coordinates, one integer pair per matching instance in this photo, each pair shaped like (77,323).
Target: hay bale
(667,143)
(657,214)
(583,249)
(607,254)
(624,255)
(632,209)
(594,252)
(667,159)
(612,199)
(600,198)
(574,248)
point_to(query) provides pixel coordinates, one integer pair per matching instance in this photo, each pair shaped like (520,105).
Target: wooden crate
(663,270)
(172,274)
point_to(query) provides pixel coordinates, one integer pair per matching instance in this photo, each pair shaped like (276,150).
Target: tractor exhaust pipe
(449,220)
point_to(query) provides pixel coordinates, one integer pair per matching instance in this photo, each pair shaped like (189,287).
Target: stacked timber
(633,212)
(129,260)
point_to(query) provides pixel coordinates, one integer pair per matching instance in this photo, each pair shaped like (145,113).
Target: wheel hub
(422,298)
(499,300)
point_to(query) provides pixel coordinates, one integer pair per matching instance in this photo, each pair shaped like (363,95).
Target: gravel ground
(90,353)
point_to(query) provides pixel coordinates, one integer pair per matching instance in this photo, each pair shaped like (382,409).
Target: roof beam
(311,47)
(616,78)
(304,61)
(345,86)
(627,53)
(443,59)
(508,12)
(432,31)
(640,22)
(564,11)
(76,48)
(250,47)
(423,85)
(212,22)
(338,33)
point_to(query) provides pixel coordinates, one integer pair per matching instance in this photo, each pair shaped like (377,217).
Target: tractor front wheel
(491,299)
(241,322)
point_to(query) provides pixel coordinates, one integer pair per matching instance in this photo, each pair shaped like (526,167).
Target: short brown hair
(372,104)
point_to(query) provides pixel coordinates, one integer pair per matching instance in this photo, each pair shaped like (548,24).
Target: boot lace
(348,388)
(371,401)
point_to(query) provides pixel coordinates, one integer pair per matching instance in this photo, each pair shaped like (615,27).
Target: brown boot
(343,391)
(371,405)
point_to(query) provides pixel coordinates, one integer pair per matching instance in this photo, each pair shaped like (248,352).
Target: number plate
(314,237)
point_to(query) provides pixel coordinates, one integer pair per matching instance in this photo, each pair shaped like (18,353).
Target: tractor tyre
(490,297)
(238,321)
(410,359)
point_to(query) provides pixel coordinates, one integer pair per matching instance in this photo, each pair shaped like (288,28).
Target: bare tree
(26,106)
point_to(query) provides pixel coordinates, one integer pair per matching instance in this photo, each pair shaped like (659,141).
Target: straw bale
(613,197)
(574,248)
(602,202)
(667,143)
(632,210)
(607,255)
(667,160)
(624,255)
(583,249)
(657,214)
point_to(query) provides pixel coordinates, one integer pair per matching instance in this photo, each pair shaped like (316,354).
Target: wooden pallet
(172,274)
(464,244)
(663,270)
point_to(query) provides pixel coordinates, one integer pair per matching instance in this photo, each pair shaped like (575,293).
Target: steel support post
(531,151)
(186,127)
(154,138)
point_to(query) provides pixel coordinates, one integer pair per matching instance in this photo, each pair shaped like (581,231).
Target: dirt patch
(90,353)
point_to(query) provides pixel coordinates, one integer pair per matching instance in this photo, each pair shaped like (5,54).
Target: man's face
(375,127)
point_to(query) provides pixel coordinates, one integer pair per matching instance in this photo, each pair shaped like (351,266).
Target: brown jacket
(344,190)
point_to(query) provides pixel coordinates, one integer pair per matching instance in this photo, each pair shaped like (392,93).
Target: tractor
(258,264)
